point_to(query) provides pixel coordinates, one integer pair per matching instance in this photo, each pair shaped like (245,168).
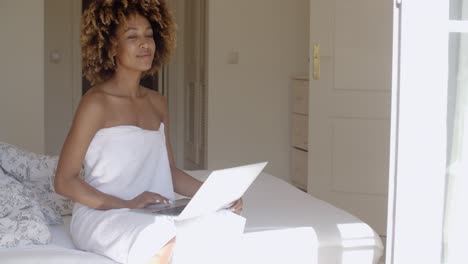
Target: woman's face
(135,44)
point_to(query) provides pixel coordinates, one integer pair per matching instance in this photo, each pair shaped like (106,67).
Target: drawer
(299,161)
(300,96)
(300,131)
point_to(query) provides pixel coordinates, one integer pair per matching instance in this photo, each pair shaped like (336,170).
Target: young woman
(120,135)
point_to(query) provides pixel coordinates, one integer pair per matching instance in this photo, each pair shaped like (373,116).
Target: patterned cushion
(21,220)
(36,172)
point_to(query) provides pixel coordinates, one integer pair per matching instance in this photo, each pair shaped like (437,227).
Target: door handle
(316,62)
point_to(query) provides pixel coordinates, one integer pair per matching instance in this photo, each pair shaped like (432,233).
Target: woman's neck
(126,84)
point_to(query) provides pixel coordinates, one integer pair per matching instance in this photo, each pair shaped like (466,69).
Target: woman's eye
(149,36)
(131,37)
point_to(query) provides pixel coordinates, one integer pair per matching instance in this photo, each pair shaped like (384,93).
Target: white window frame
(418,138)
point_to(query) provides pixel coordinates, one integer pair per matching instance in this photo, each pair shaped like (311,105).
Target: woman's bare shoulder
(157,99)
(92,105)
(95,97)
(152,93)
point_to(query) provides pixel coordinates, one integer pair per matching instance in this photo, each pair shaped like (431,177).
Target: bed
(283,224)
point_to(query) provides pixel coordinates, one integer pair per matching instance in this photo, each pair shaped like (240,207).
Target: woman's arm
(184,184)
(87,121)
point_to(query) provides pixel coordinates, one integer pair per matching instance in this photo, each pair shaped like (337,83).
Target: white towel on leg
(214,238)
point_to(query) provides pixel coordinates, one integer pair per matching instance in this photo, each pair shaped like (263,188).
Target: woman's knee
(171,242)
(164,255)
(166,250)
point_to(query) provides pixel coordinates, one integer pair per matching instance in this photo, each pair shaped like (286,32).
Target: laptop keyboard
(174,211)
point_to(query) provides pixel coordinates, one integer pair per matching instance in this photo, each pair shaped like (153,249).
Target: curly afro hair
(98,29)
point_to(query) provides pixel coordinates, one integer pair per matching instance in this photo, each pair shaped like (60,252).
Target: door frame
(176,79)
(417,174)
(76,54)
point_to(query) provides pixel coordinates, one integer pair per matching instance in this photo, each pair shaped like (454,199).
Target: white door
(349,113)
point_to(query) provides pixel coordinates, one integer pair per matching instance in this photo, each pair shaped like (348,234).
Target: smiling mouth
(144,55)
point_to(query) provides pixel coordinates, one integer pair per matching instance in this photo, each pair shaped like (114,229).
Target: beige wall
(248,119)
(22,73)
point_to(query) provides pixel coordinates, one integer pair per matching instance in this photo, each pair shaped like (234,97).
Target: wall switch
(55,56)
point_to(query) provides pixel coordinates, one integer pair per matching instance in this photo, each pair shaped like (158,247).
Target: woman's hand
(236,207)
(145,199)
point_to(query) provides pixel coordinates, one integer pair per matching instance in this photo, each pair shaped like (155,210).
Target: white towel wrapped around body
(125,161)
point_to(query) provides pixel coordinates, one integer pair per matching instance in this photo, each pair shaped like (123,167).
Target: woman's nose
(144,44)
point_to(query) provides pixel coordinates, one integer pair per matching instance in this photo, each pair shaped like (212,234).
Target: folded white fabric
(36,173)
(21,220)
(213,238)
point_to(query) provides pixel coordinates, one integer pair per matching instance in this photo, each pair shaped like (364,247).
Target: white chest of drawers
(299,130)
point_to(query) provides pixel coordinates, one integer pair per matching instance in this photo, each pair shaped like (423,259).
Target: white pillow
(21,221)
(36,172)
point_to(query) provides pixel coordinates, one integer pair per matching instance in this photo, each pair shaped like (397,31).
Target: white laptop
(220,190)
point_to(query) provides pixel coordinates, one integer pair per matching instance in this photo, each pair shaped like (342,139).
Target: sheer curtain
(456,211)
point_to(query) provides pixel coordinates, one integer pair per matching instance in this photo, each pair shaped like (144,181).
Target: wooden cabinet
(299,130)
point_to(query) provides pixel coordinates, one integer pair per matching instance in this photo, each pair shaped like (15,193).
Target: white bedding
(333,235)
(284,224)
